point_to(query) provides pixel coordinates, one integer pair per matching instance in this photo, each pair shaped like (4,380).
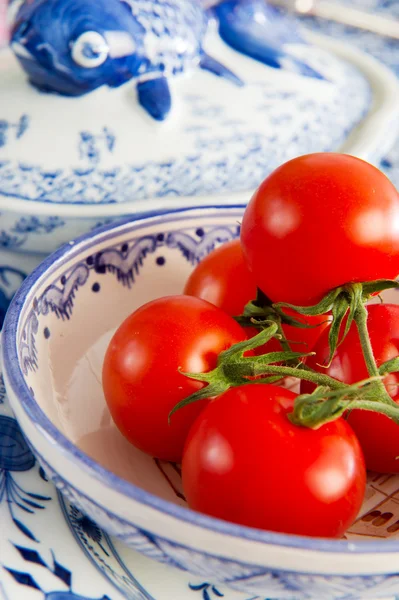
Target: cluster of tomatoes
(316,223)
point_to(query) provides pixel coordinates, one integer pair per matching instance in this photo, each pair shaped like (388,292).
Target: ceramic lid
(119,100)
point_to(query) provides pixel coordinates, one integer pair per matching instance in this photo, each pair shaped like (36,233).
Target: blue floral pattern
(10,280)
(207,590)
(24,227)
(24,578)
(124,262)
(13,130)
(238,576)
(230,159)
(15,457)
(99,548)
(33,224)
(91,146)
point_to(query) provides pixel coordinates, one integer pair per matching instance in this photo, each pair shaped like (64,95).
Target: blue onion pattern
(15,454)
(32,556)
(10,280)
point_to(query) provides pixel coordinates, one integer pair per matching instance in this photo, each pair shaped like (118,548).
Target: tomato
(378,435)
(245,462)
(141,378)
(320,221)
(224,279)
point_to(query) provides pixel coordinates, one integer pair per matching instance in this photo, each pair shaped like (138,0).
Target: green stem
(390,410)
(360,318)
(390,366)
(331,398)
(282,339)
(299,373)
(310,414)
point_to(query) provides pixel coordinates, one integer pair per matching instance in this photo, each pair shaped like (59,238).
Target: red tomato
(223,279)
(378,435)
(245,462)
(320,221)
(141,380)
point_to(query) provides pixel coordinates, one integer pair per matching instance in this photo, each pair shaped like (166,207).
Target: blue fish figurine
(72,47)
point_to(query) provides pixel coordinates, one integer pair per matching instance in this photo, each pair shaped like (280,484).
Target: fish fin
(291,63)
(210,64)
(154,96)
(256,30)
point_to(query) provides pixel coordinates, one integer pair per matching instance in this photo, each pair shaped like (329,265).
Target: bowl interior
(76,306)
(77,300)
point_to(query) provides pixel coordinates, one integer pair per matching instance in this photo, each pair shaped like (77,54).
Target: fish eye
(90,50)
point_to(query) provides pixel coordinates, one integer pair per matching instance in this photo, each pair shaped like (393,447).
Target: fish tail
(255,29)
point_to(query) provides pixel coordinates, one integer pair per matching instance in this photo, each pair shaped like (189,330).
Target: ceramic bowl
(55,335)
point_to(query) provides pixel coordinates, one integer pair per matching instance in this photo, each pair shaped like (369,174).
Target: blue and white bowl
(54,339)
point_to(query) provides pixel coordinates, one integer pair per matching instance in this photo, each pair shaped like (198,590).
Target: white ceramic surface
(102,147)
(54,340)
(213,128)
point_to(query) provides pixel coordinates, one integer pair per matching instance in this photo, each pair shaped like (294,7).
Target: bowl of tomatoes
(217,386)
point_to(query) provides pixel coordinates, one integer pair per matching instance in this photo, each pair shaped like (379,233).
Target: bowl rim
(15,379)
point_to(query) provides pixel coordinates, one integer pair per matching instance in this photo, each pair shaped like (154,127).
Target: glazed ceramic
(31,230)
(54,339)
(150,105)
(52,551)
(105,148)
(238,90)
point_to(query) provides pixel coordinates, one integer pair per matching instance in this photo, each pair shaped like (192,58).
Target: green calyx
(325,405)
(346,300)
(331,398)
(234,368)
